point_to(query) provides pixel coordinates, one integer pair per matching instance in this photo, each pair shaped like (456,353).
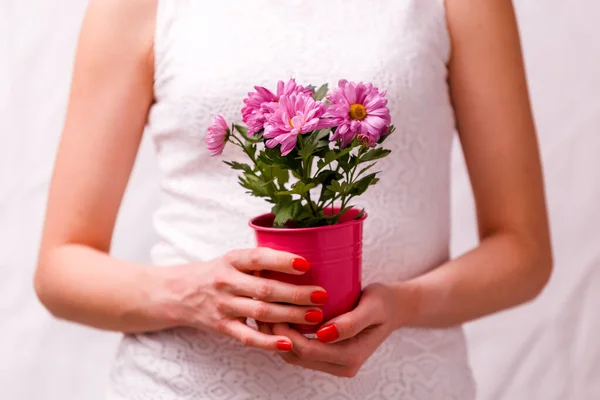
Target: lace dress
(208,56)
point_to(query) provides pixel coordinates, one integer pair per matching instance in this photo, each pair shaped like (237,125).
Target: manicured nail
(319,297)
(300,264)
(314,316)
(282,345)
(328,334)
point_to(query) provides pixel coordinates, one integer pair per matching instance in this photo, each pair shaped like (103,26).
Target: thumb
(348,325)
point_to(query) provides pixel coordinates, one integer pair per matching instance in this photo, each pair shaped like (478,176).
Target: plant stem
(306,169)
(238,143)
(310,204)
(307,176)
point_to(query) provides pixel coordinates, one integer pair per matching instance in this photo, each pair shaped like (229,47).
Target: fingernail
(314,316)
(328,334)
(319,297)
(300,264)
(282,345)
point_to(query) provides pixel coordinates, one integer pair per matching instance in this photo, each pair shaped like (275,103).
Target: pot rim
(259,228)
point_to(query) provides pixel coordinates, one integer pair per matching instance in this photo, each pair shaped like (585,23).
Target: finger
(349,325)
(263,258)
(252,338)
(313,350)
(270,312)
(274,291)
(264,327)
(332,369)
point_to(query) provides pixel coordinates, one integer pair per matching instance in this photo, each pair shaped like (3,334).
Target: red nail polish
(319,297)
(282,345)
(300,264)
(328,334)
(314,316)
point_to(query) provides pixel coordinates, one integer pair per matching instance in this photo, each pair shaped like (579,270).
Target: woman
(165,68)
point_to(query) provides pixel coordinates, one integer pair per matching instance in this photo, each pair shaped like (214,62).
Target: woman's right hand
(219,295)
(77,280)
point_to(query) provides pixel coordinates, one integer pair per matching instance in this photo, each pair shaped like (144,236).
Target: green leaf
(326,195)
(308,148)
(316,137)
(366,169)
(304,215)
(343,153)
(320,140)
(251,149)
(302,188)
(257,186)
(270,172)
(391,130)
(306,152)
(239,166)
(299,188)
(322,134)
(337,216)
(312,222)
(286,212)
(360,186)
(320,93)
(274,157)
(282,175)
(326,177)
(347,162)
(374,154)
(241,129)
(336,187)
(263,157)
(330,157)
(284,198)
(333,155)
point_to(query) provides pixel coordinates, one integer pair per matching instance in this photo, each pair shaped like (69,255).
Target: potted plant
(311,153)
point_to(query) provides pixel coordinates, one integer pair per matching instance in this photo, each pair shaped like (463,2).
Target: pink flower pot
(334,253)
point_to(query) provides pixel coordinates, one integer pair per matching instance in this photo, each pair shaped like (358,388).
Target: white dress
(208,56)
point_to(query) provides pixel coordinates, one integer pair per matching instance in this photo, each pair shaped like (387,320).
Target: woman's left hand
(346,342)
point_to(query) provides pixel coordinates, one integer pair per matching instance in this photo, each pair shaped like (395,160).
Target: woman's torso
(207,57)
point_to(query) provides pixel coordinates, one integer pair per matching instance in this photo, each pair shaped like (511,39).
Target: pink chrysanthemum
(255,114)
(295,114)
(217,135)
(358,108)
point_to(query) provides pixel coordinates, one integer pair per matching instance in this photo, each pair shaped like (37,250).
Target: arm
(110,97)
(76,279)
(513,261)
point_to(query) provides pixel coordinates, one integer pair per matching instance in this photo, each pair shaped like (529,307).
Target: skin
(112,91)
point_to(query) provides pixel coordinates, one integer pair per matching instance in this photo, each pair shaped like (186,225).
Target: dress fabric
(208,56)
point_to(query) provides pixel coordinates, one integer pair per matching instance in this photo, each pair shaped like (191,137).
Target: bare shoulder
(470,17)
(125,25)
(134,12)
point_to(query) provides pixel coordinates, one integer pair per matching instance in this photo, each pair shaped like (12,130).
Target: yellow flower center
(292,125)
(358,112)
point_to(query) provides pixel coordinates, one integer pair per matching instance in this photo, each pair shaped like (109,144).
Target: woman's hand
(346,342)
(221,294)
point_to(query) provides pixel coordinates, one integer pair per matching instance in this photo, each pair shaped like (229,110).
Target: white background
(544,351)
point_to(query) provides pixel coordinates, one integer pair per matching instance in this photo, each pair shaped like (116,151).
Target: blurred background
(547,350)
